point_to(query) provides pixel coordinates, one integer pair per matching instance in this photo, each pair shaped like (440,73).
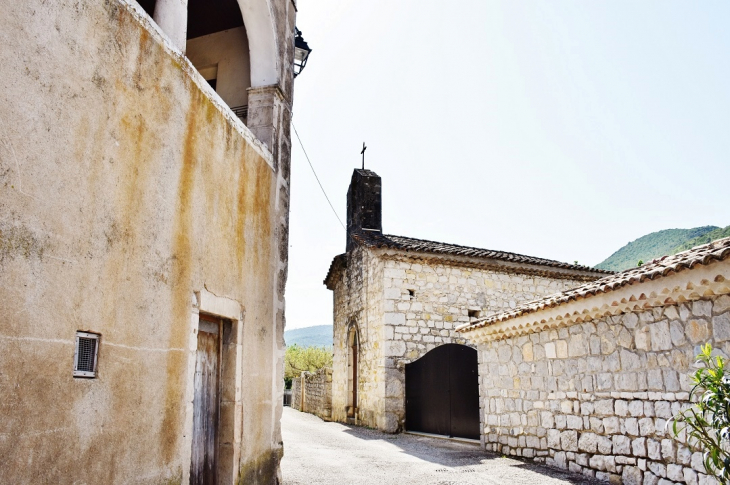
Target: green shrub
(707,421)
(299,359)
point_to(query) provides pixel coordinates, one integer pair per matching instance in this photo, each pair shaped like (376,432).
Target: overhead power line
(315,176)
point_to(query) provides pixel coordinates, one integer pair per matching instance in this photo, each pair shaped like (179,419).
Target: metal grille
(241,112)
(86,352)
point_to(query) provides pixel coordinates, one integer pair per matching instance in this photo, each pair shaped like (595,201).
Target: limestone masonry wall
(595,397)
(404,306)
(357,301)
(312,393)
(425,301)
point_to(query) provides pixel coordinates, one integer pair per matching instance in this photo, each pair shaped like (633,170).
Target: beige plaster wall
(124,190)
(227,52)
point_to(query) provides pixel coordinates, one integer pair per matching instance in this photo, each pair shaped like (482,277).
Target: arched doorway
(353,354)
(442,392)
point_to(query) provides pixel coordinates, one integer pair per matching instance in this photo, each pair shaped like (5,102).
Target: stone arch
(353,371)
(262,42)
(258,18)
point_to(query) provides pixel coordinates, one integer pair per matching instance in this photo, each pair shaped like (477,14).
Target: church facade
(397,299)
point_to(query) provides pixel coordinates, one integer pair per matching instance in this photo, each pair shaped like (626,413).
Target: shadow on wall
(454,454)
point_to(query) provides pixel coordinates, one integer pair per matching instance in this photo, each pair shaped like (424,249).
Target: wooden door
(355,350)
(203,467)
(442,392)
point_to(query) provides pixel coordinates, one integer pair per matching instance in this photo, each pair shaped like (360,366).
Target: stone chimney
(364,211)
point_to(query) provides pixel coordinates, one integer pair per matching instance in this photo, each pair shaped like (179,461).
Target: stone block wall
(595,397)
(425,301)
(358,301)
(312,393)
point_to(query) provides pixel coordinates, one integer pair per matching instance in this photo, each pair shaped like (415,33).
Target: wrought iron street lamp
(301,52)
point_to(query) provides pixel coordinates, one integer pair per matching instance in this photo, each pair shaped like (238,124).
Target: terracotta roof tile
(409,244)
(658,268)
(339,261)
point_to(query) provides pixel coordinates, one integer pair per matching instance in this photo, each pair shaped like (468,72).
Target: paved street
(316,452)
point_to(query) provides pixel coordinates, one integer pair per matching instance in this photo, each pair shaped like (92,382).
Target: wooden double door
(442,392)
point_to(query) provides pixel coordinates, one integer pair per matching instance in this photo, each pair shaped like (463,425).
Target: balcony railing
(241,112)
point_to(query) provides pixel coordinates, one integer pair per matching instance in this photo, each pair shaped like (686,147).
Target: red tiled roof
(373,239)
(658,268)
(409,244)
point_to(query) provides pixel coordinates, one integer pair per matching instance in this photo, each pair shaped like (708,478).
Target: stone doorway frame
(230,417)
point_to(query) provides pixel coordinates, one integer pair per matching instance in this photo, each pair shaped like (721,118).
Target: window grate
(87,350)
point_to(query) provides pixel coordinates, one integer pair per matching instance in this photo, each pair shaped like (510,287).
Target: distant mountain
(718,233)
(317,336)
(654,245)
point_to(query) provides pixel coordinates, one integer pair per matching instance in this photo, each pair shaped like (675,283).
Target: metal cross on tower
(363,154)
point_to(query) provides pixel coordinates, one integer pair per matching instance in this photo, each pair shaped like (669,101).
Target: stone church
(144,208)
(397,303)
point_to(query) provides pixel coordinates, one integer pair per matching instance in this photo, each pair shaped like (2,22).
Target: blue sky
(560,129)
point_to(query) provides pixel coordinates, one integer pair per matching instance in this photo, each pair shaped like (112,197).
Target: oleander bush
(705,425)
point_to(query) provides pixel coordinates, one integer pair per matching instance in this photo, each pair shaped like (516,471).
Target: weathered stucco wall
(595,397)
(125,189)
(312,393)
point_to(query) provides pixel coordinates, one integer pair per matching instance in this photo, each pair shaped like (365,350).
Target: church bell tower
(364,212)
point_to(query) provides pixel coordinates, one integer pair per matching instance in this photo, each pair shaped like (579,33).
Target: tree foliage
(707,422)
(718,233)
(651,246)
(300,359)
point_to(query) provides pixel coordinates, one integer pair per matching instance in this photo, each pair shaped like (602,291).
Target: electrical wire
(315,176)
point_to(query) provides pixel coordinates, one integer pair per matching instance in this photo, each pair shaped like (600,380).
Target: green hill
(718,233)
(317,336)
(652,246)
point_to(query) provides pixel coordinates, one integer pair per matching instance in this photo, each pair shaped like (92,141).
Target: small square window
(411,294)
(87,350)
(474,313)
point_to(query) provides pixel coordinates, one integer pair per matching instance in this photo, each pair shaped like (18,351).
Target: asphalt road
(317,452)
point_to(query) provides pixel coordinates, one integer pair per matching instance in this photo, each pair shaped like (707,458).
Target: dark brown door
(203,468)
(355,351)
(442,392)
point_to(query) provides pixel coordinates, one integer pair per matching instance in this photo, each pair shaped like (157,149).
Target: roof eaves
(659,268)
